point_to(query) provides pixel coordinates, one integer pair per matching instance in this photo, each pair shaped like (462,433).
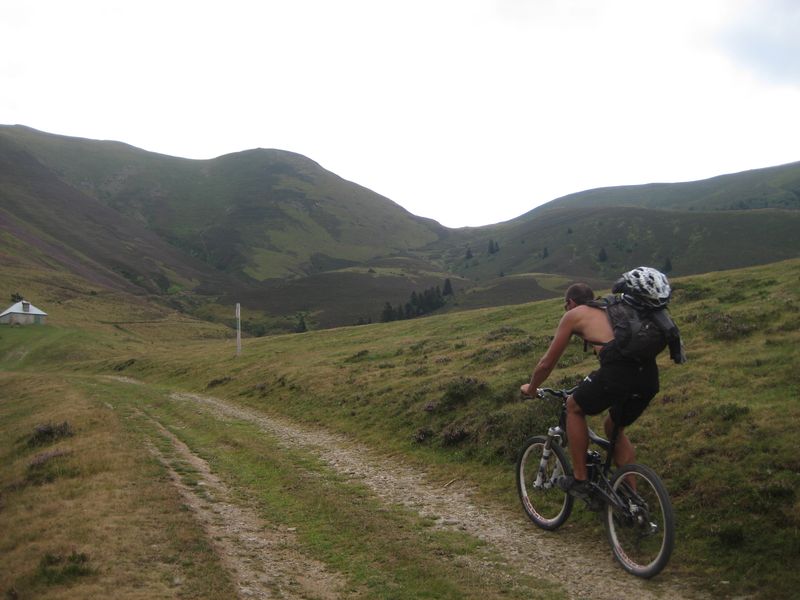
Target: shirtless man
(616,380)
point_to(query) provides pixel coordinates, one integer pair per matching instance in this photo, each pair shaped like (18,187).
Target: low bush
(56,568)
(49,433)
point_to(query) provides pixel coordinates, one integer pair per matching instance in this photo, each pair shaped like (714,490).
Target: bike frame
(558,434)
(640,524)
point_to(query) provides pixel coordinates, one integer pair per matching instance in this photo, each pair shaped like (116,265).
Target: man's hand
(524,389)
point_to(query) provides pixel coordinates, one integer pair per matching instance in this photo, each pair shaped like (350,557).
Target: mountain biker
(617,378)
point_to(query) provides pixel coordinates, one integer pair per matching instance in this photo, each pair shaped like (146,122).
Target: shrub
(124,365)
(423,434)
(49,433)
(771,498)
(731,536)
(685,291)
(503,333)
(729,411)
(46,467)
(486,355)
(507,428)
(454,433)
(724,326)
(215,382)
(358,356)
(461,390)
(55,568)
(520,348)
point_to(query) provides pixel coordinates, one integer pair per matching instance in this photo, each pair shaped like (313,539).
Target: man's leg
(578,436)
(624,452)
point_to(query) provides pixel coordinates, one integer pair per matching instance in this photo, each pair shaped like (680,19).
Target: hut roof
(17,309)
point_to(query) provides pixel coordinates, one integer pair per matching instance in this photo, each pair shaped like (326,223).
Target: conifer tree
(448,288)
(387,314)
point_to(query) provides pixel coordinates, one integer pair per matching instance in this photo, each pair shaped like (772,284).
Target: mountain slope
(283,236)
(259,214)
(203,233)
(601,242)
(47,222)
(773,187)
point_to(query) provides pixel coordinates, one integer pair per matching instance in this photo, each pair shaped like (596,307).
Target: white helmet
(648,285)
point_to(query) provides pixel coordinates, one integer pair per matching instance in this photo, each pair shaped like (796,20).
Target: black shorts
(625,388)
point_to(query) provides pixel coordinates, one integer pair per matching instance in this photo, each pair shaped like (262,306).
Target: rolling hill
(773,187)
(257,214)
(601,242)
(283,236)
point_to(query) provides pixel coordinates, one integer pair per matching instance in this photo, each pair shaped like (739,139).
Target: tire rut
(262,558)
(585,572)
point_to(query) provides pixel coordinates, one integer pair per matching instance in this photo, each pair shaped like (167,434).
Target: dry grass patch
(87,515)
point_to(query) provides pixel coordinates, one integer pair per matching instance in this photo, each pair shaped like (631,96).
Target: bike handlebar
(559,393)
(563,394)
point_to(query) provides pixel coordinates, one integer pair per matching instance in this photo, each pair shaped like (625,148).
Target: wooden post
(238,329)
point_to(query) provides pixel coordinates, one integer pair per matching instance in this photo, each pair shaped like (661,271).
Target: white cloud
(766,38)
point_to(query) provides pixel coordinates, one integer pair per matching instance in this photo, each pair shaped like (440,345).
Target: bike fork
(541,476)
(542,472)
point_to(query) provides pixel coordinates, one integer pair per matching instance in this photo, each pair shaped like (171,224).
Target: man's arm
(550,358)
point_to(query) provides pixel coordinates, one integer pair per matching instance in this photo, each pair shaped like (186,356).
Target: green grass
(442,393)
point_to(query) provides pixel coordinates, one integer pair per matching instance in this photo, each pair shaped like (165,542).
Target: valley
(292,241)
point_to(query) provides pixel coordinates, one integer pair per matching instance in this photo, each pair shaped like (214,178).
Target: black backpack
(641,333)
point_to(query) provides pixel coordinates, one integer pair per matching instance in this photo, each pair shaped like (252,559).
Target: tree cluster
(418,304)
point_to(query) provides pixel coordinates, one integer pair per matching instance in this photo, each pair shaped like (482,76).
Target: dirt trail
(262,559)
(585,571)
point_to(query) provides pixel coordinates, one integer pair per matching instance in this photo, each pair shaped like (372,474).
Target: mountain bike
(632,501)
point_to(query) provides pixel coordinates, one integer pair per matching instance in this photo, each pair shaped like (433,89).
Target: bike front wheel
(539,465)
(642,532)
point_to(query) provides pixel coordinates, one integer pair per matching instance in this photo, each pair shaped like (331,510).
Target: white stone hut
(23,313)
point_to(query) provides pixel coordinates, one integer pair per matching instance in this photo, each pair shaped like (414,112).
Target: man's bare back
(591,324)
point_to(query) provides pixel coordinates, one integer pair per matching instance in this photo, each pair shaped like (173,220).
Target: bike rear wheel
(642,534)
(544,502)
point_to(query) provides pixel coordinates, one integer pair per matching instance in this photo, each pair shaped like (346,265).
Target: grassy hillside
(46,222)
(442,392)
(259,214)
(204,234)
(278,233)
(773,187)
(604,242)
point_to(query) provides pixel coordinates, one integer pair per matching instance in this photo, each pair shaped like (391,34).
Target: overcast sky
(470,112)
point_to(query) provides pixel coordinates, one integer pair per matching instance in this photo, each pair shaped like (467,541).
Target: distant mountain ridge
(771,187)
(279,233)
